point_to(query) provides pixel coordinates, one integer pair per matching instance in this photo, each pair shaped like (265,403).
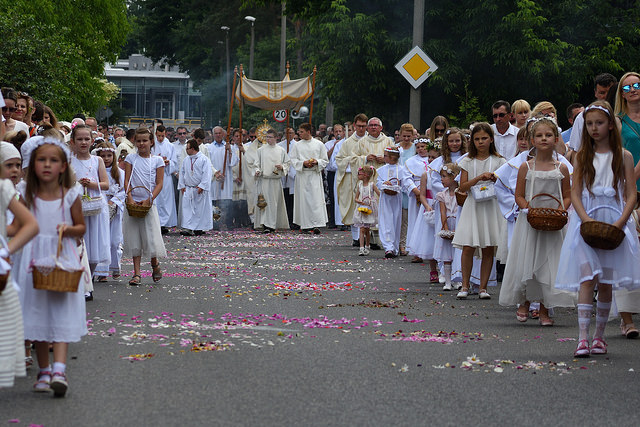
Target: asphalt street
(294,329)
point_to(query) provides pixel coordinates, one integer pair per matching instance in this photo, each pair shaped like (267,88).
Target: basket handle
(560,205)
(60,230)
(613,208)
(141,186)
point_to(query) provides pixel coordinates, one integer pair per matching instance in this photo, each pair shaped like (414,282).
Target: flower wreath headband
(448,170)
(95,151)
(597,107)
(31,144)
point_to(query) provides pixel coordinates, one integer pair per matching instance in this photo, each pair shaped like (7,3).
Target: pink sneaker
(583,349)
(433,277)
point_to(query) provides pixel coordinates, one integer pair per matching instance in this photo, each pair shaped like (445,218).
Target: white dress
(443,249)
(361,219)
(480,223)
(390,207)
(533,258)
(142,236)
(11,328)
(114,194)
(580,262)
(196,209)
(166,200)
(53,316)
(415,167)
(96,238)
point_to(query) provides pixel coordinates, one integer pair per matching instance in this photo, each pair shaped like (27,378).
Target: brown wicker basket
(547,219)
(135,210)
(460,197)
(4,278)
(57,280)
(600,235)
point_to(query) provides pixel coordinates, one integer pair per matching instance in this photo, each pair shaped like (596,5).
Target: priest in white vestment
(309,158)
(270,165)
(222,187)
(194,183)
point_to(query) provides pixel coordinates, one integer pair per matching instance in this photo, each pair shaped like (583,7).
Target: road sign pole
(415,95)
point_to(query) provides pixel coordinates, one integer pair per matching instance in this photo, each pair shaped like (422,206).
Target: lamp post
(252,20)
(226,30)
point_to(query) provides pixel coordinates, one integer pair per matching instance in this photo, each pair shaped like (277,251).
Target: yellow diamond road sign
(416,67)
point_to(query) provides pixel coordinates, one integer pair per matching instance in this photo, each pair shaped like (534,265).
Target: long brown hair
(66,179)
(586,153)
(482,127)
(446,152)
(115,173)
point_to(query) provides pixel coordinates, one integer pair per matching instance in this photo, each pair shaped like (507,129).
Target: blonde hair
(621,103)
(543,105)
(407,127)
(520,105)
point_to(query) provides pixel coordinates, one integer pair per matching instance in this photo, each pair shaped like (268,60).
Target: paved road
(291,329)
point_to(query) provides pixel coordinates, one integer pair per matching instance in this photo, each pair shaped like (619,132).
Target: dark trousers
(331,177)
(288,201)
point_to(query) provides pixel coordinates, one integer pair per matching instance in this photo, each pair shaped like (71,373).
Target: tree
(56,51)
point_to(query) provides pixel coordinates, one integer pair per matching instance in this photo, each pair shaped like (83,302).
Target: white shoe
(462,295)
(457,286)
(447,287)
(366,251)
(484,294)
(441,278)
(361,253)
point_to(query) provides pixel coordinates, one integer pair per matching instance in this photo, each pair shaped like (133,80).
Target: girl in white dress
(92,175)
(532,263)
(53,317)
(603,190)
(115,201)
(142,236)
(12,350)
(480,222)
(446,222)
(366,213)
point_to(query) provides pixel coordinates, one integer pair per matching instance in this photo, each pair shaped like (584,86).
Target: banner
(286,94)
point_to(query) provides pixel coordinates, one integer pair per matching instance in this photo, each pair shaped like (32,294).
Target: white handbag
(484,190)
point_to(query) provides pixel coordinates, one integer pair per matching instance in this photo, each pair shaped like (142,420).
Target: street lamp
(226,30)
(252,20)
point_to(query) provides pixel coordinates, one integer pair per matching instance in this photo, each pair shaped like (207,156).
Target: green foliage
(56,51)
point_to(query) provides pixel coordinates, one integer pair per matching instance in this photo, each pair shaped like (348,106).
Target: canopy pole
(286,129)
(233,94)
(313,90)
(240,114)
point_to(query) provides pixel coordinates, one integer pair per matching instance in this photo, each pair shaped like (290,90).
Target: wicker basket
(57,280)
(547,219)
(460,197)
(600,235)
(91,206)
(4,278)
(135,210)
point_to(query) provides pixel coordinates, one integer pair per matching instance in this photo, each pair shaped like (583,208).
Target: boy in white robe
(270,165)
(165,202)
(194,183)
(309,158)
(391,177)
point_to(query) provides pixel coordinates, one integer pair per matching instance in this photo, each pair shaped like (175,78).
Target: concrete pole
(415,95)
(283,40)
(251,52)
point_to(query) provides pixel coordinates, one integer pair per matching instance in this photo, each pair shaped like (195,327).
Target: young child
(480,222)
(269,166)
(446,223)
(53,197)
(92,175)
(391,179)
(194,181)
(532,263)
(115,199)
(603,190)
(415,166)
(12,349)
(366,213)
(142,236)
(453,149)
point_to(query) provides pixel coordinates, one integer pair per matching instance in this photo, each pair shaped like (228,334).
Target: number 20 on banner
(280,115)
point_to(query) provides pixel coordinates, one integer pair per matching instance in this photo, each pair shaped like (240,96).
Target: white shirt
(506,143)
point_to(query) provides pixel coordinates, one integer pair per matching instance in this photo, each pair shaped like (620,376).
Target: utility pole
(415,95)
(283,40)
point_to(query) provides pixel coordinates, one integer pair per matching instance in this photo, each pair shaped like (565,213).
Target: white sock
(59,367)
(584,319)
(46,370)
(602,316)
(447,274)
